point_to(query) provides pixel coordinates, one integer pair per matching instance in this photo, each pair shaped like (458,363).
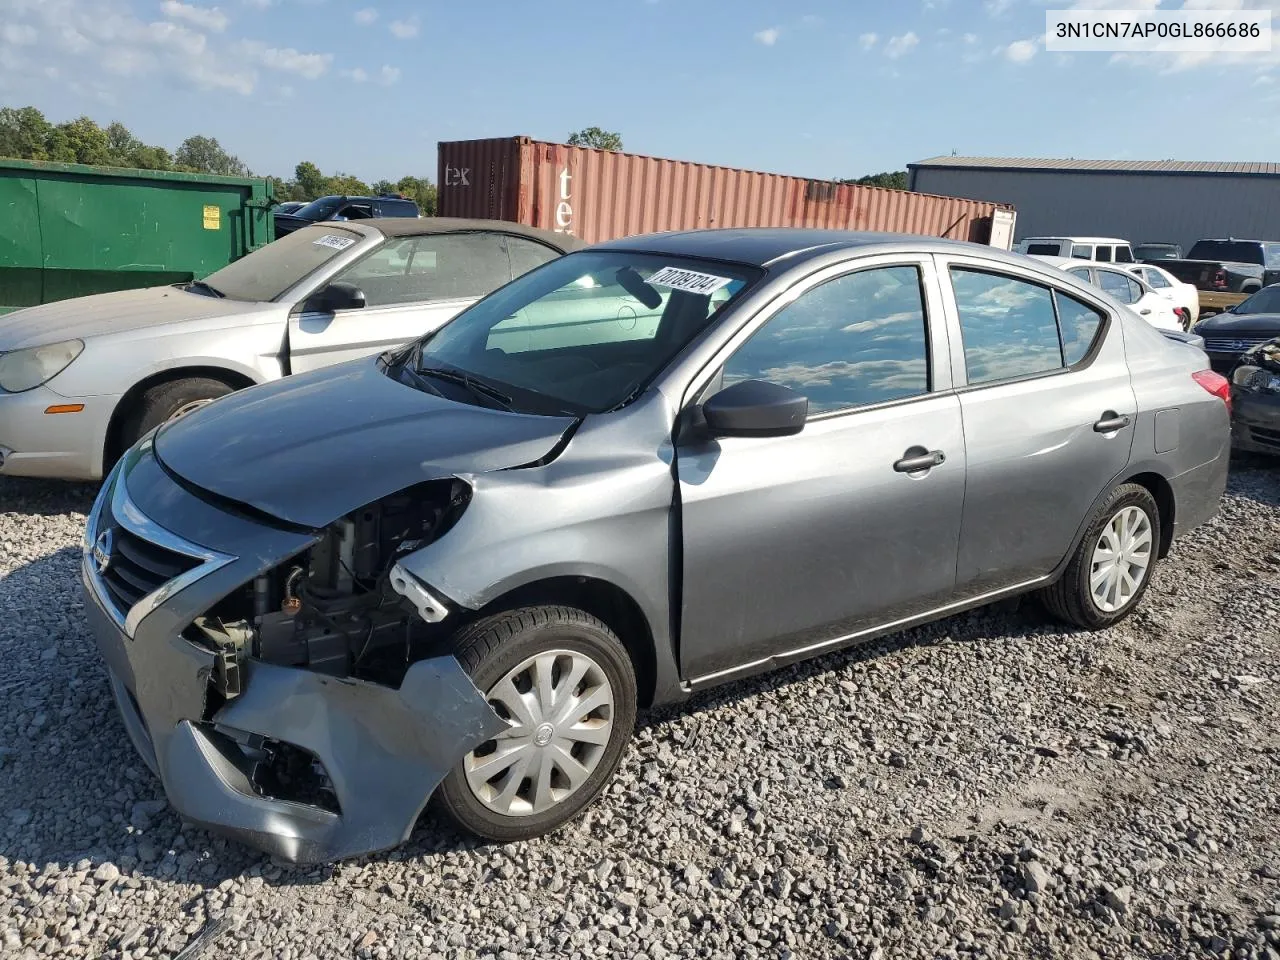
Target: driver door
(412,285)
(795,544)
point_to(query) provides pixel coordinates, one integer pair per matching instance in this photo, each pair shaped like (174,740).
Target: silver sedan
(81,380)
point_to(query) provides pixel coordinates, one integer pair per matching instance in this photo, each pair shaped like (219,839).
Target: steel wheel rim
(559,710)
(186,408)
(1121,560)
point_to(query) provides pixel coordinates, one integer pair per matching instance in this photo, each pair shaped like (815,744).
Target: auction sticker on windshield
(689,281)
(338,243)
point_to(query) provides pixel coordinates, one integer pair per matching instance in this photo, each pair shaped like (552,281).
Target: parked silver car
(458,569)
(81,380)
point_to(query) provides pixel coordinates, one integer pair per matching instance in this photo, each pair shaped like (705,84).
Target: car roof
(1077,239)
(422,226)
(1065,262)
(766,246)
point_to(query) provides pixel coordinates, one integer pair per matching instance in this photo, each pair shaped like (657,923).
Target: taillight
(1219,280)
(1216,384)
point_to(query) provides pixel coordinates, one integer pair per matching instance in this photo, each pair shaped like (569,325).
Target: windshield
(265,274)
(1266,300)
(1227,251)
(321,209)
(581,334)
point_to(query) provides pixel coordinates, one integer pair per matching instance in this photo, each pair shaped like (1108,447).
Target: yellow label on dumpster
(212,218)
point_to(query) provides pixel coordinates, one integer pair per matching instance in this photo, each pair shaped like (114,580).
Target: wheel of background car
(1184,318)
(1112,567)
(566,686)
(168,401)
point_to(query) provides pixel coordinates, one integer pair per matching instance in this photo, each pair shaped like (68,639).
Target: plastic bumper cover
(384,750)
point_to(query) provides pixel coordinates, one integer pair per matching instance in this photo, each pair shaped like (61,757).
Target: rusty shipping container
(600,195)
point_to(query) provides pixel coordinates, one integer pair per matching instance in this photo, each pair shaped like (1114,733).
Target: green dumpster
(68,230)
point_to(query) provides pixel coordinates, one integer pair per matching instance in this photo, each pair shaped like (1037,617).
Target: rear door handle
(917,459)
(1111,422)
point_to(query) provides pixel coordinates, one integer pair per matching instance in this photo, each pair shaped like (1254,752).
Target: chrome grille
(1237,345)
(131,568)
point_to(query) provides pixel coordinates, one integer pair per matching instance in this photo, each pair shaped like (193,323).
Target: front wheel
(169,401)
(1111,568)
(566,688)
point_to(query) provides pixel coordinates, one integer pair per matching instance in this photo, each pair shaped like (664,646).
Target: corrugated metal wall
(1169,207)
(601,195)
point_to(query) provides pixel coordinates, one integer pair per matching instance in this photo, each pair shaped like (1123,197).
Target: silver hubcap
(559,712)
(186,408)
(1121,559)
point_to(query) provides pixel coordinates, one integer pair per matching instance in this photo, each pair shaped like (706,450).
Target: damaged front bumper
(379,751)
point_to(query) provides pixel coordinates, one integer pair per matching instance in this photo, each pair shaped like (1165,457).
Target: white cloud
(260,4)
(405,29)
(997,8)
(901,45)
(206,18)
(309,66)
(768,36)
(1263,81)
(18,34)
(1021,51)
(868,40)
(970,38)
(365,16)
(355,75)
(388,75)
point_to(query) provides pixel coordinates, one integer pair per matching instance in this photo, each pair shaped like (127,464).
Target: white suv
(1101,249)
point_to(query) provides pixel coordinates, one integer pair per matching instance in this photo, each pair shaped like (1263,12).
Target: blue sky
(821,88)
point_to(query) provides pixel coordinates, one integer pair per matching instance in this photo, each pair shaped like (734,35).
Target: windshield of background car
(265,274)
(1266,300)
(321,209)
(1226,251)
(584,333)
(1155,252)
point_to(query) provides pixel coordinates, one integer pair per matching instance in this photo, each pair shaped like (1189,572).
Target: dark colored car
(1157,252)
(345,208)
(1229,334)
(1228,266)
(289,206)
(1255,396)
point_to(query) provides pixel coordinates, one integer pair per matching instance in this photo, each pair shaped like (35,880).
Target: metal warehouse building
(1137,200)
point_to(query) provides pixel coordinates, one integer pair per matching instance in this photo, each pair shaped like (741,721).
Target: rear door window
(1080,325)
(1156,279)
(1008,326)
(1124,255)
(431,267)
(1082,251)
(1119,286)
(1102,253)
(527,254)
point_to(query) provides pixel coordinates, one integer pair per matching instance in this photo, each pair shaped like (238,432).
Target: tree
(24,133)
(421,190)
(383,186)
(345,185)
(205,155)
(894,180)
(597,138)
(79,141)
(308,180)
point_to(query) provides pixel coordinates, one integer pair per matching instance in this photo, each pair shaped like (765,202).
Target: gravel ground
(989,785)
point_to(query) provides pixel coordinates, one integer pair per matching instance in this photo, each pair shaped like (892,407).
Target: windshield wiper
(477,388)
(201,285)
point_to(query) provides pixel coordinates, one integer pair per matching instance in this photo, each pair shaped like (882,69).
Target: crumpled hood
(313,447)
(110,313)
(1233,323)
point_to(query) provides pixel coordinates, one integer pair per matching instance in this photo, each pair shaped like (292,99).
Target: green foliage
(595,137)
(205,155)
(25,134)
(894,180)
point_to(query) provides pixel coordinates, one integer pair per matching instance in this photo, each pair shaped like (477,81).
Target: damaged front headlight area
(343,607)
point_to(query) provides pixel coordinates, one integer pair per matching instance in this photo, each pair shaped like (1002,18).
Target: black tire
(1184,318)
(488,649)
(1070,599)
(163,401)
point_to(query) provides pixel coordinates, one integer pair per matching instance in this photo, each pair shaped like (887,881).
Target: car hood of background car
(1232,322)
(313,447)
(111,313)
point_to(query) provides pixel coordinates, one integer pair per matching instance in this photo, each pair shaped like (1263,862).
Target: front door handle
(917,459)
(1110,422)
(1145,311)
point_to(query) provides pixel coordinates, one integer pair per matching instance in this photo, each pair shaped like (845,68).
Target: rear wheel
(1111,568)
(566,688)
(1184,318)
(169,401)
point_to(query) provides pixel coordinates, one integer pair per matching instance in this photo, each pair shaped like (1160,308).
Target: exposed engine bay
(342,607)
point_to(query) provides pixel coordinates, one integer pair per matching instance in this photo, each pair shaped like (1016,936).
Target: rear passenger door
(1048,412)
(412,285)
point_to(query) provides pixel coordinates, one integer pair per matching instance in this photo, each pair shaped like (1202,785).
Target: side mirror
(336,296)
(755,408)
